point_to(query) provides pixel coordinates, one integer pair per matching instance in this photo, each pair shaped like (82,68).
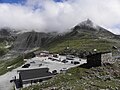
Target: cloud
(48,15)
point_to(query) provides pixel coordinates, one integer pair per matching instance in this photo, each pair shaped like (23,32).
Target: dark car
(26,66)
(12,81)
(54,72)
(70,57)
(56,55)
(76,62)
(64,61)
(32,62)
(50,58)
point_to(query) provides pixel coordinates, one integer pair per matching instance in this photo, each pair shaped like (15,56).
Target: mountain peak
(88,23)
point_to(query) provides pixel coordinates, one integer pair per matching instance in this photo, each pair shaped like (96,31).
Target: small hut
(99,59)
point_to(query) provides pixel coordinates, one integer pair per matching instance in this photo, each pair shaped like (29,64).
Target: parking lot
(38,62)
(57,64)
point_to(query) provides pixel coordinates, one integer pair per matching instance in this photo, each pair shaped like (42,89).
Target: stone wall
(106,58)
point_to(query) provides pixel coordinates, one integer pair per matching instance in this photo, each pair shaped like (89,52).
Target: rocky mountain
(29,40)
(84,30)
(6,39)
(87,29)
(7,34)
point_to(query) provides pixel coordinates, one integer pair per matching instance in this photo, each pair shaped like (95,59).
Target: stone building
(99,59)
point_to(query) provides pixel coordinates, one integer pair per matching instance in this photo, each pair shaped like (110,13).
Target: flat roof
(32,74)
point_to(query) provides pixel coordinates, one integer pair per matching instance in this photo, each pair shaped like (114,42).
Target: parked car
(26,66)
(49,57)
(53,59)
(32,62)
(64,61)
(75,62)
(70,57)
(63,70)
(11,81)
(54,72)
(56,55)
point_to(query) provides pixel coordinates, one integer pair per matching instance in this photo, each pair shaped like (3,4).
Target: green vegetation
(3,50)
(106,77)
(29,55)
(16,62)
(83,45)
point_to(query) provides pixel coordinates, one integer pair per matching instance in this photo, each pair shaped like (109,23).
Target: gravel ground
(52,65)
(5,80)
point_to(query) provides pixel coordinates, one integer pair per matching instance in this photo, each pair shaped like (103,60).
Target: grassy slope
(3,50)
(84,44)
(16,62)
(81,78)
(106,77)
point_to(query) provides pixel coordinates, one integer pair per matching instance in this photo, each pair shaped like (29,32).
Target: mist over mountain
(7,34)
(84,30)
(59,16)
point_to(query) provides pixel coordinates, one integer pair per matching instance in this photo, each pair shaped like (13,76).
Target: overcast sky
(58,15)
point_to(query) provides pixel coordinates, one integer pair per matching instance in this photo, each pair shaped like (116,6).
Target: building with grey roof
(34,75)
